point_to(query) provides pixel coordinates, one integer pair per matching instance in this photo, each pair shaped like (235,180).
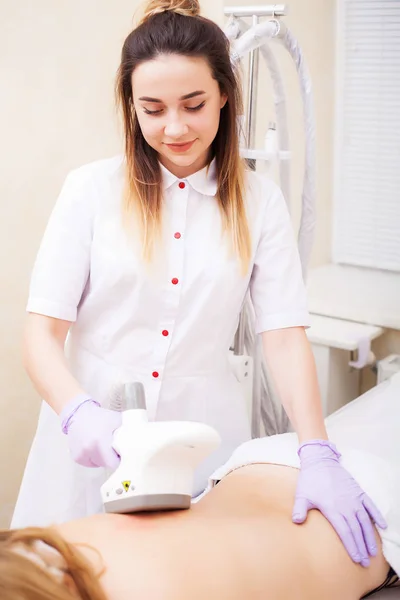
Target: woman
(237,542)
(146,263)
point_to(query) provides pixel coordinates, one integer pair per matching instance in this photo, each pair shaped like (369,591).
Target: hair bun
(187,8)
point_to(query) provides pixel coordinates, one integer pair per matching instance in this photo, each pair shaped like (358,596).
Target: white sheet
(367,433)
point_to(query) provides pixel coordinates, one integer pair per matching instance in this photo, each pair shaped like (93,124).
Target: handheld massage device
(158,459)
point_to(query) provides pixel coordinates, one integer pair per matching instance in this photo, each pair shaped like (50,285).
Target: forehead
(172,76)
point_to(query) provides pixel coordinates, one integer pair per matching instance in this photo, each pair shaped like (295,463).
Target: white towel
(367,433)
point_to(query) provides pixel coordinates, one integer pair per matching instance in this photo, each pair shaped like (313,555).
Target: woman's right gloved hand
(90,430)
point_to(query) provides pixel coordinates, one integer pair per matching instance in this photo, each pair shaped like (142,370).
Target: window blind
(366,207)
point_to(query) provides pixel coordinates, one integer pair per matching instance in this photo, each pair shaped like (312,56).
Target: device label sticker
(126,485)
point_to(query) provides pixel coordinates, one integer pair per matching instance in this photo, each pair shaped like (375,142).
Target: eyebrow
(185,97)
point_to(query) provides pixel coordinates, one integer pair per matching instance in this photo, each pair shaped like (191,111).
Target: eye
(152,112)
(194,108)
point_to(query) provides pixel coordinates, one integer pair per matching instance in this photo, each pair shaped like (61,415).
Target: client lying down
(238,542)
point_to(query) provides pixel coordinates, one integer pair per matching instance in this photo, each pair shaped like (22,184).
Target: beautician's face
(178,105)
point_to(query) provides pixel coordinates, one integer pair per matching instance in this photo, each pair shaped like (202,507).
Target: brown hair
(38,564)
(175,27)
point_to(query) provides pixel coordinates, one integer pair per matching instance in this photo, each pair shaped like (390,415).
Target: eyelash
(190,109)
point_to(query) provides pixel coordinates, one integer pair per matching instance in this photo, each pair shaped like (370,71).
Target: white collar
(203,181)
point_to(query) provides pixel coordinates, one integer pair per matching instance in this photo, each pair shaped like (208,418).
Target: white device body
(158,460)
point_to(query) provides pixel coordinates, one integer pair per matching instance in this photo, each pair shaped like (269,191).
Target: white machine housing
(158,460)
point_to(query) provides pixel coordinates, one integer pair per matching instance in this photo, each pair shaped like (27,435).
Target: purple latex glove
(325,485)
(90,429)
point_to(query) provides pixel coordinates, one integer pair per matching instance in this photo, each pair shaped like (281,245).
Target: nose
(175,128)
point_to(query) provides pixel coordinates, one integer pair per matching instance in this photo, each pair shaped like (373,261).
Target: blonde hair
(187,8)
(176,27)
(38,564)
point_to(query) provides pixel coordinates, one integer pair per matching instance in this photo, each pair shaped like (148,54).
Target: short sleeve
(62,265)
(276,286)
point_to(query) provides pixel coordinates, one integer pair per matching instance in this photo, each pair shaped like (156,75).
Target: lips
(181,147)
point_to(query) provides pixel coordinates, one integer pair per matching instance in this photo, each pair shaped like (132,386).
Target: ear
(224,99)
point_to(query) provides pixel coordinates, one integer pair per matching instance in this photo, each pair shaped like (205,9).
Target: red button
(177,235)
(165,333)
(174,280)
(155,374)
(181,185)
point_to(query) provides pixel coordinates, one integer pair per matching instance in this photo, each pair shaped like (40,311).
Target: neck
(182,171)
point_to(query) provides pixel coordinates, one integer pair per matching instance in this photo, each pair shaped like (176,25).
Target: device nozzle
(134,396)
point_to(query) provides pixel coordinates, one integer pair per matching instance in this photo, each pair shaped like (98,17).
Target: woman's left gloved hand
(325,485)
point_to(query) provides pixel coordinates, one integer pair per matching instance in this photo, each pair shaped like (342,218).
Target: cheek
(209,122)
(150,127)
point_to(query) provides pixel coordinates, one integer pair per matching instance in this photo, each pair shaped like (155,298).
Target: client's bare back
(238,542)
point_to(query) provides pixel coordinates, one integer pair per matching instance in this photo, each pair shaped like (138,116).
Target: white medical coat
(170,327)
